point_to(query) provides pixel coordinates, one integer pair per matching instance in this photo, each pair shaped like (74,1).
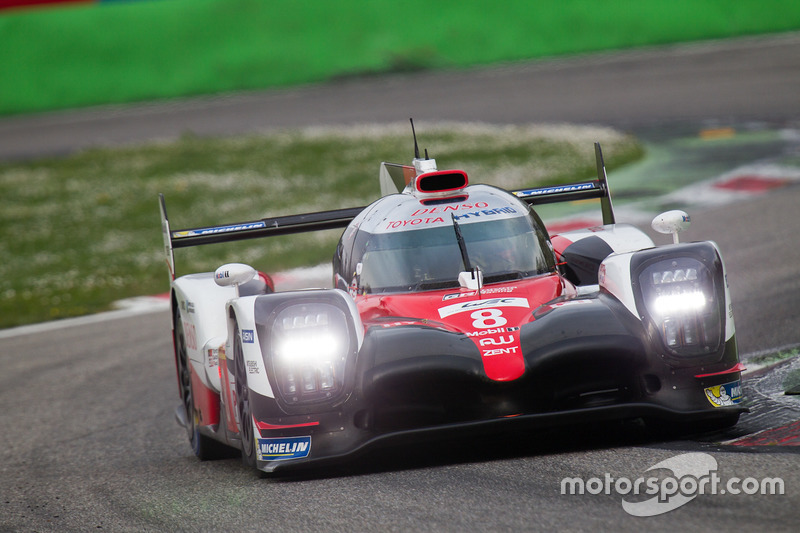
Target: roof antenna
(414,133)
(421,166)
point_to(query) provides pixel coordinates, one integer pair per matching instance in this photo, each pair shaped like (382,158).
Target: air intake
(440,182)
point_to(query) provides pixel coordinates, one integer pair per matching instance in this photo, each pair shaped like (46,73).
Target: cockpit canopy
(404,244)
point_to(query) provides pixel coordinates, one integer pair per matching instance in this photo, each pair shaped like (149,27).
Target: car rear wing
(575,191)
(265,227)
(340,218)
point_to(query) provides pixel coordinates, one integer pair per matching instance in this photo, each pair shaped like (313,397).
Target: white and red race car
(452,310)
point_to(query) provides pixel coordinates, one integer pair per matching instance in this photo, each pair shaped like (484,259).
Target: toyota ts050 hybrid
(452,310)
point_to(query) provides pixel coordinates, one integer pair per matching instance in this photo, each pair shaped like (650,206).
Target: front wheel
(243,409)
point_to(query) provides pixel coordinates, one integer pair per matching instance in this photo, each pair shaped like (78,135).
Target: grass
(132,51)
(81,232)
(776,357)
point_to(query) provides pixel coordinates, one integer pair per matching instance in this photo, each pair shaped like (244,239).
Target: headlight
(309,345)
(681,298)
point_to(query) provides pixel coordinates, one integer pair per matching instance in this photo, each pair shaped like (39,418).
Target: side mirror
(472,280)
(672,222)
(234,274)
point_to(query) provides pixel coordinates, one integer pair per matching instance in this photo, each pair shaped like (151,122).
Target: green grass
(772,358)
(122,52)
(81,232)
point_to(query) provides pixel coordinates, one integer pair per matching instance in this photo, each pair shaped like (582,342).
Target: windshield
(430,258)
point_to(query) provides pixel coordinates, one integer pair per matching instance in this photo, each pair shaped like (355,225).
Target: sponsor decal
(490,332)
(248,336)
(542,191)
(218,229)
(394,224)
(727,394)
(492,344)
(425,217)
(283,448)
(499,351)
(213,357)
(190,334)
(499,341)
(488,324)
(252,367)
(468,294)
(448,208)
(483,304)
(487,212)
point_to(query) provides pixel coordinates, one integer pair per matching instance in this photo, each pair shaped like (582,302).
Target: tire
(243,409)
(204,447)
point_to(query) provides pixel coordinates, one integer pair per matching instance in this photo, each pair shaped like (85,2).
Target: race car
(452,312)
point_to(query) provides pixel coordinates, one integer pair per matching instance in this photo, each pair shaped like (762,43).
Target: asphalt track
(88,440)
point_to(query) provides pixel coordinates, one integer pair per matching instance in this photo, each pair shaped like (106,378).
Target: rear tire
(204,447)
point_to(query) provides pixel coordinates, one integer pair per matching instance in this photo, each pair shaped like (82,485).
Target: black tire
(243,408)
(204,447)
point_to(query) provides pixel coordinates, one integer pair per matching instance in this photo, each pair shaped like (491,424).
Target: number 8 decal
(488,318)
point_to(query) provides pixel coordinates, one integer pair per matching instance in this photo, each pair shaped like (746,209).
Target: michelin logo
(727,394)
(219,229)
(554,190)
(283,448)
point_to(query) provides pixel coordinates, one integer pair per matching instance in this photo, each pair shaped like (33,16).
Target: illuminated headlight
(681,298)
(309,344)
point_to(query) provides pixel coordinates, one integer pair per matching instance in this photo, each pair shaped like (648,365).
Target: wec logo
(482,304)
